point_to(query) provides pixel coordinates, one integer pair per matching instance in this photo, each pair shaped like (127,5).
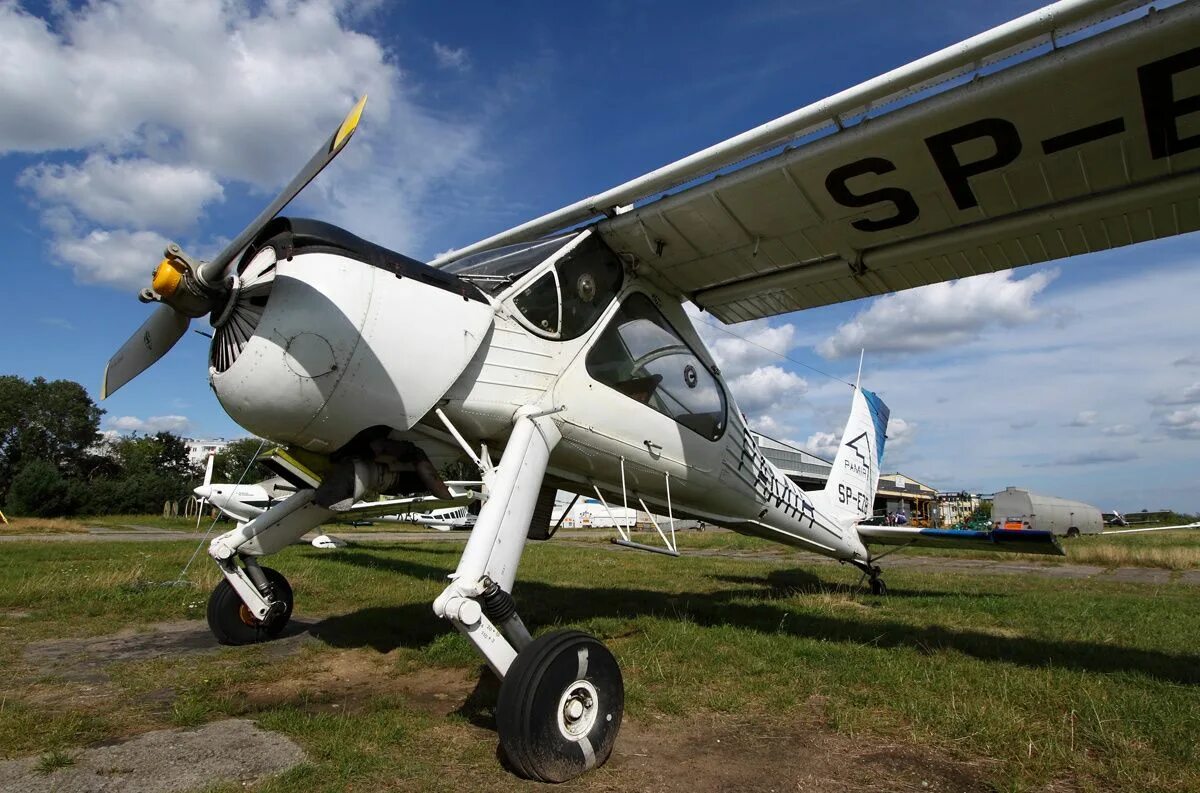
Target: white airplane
(564,343)
(444,519)
(244,502)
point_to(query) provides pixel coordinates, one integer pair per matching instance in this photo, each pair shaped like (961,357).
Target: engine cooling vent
(241,315)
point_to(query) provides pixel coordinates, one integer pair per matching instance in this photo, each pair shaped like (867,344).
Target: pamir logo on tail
(863,452)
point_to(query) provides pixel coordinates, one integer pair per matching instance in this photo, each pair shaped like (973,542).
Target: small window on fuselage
(575,291)
(643,357)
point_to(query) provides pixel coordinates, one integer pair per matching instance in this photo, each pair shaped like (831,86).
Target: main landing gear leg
(562,695)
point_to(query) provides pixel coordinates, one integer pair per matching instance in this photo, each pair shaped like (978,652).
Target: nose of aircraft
(204,492)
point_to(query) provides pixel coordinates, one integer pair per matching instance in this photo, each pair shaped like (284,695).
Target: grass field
(1172,550)
(1021,683)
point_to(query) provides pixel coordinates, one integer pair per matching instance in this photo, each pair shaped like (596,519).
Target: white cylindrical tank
(1017,508)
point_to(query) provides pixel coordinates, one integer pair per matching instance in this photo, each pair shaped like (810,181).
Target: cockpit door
(642,392)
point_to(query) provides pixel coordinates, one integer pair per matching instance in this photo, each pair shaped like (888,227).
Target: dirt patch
(86,660)
(352,679)
(708,752)
(724,753)
(234,750)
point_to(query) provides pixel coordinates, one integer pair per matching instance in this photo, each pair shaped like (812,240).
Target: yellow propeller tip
(349,124)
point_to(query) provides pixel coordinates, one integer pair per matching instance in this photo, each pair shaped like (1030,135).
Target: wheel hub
(247,616)
(577,710)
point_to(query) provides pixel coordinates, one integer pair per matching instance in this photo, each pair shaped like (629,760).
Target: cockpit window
(565,302)
(641,355)
(496,269)
(591,277)
(539,303)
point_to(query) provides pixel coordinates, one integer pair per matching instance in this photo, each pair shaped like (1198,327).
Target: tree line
(54,461)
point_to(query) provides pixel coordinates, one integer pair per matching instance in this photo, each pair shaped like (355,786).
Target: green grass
(52,761)
(1090,684)
(1172,550)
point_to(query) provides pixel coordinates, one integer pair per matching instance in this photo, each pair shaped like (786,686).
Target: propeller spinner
(187,289)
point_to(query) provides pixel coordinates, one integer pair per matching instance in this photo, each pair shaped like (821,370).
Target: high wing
(1010,540)
(1071,130)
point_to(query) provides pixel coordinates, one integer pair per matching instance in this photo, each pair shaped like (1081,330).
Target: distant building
(955,508)
(899,494)
(807,470)
(198,449)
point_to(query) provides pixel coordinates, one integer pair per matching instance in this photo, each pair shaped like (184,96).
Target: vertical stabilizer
(850,493)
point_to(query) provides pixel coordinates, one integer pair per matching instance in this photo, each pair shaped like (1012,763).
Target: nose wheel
(233,623)
(560,707)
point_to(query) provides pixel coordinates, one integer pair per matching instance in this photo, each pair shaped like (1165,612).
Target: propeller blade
(213,271)
(153,340)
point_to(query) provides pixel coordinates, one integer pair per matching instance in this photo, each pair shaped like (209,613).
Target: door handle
(651,446)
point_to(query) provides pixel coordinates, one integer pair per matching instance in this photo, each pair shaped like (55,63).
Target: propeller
(187,289)
(204,491)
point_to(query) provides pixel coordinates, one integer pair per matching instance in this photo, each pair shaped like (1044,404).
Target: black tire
(560,673)
(1072,532)
(232,623)
(878,587)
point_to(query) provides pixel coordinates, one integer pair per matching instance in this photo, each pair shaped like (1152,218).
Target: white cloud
(1184,422)
(900,434)
(1186,395)
(148,109)
(124,259)
(745,347)
(451,57)
(135,192)
(766,389)
(1108,358)
(939,315)
(823,444)
(149,426)
(1118,430)
(1084,418)
(1189,360)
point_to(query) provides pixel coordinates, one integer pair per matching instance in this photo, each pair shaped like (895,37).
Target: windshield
(493,270)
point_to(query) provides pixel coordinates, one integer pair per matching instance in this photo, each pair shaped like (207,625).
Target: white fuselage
(343,347)
(240,502)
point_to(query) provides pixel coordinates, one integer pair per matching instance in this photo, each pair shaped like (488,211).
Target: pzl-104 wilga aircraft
(563,342)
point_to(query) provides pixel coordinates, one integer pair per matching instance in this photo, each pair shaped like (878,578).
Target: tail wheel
(233,623)
(560,707)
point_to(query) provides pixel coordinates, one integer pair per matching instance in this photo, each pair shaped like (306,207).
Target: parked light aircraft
(244,502)
(563,343)
(443,519)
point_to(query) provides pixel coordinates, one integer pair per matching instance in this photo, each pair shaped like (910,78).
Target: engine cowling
(329,335)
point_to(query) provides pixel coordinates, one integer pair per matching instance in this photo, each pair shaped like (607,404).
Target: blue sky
(128,123)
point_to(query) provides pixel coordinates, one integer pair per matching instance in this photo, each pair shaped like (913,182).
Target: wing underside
(999,540)
(1079,148)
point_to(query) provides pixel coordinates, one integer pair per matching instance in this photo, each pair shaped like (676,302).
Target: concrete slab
(86,660)
(231,751)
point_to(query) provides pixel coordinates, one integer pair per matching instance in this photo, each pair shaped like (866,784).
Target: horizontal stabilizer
(1000,540)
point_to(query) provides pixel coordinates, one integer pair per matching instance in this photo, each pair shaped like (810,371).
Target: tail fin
(850,492)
